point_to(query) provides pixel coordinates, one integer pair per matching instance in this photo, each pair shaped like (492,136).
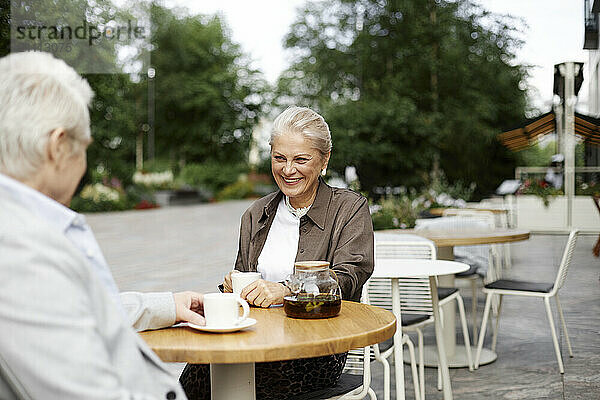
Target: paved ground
(192,247)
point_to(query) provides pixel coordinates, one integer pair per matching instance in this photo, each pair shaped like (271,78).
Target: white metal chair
(415,299)
(531,289)
(482,259)
(500,219)
(382,358)
(358,363)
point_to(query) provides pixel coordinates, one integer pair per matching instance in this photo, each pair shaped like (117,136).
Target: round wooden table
(470,238)
(445,242)
(440,211)
(275,337)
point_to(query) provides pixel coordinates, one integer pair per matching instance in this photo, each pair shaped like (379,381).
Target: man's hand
(189,307)
(227,285)
(263,293)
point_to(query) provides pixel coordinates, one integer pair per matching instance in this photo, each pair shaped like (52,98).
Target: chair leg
(474,309)
(386,372)
(372,394)
(440,386)
(495,336)
(564,325)
(554,338)
(399,369)
(398,356)
(413,367)
(507,257)
(421,364)
(486,314)
(463,320)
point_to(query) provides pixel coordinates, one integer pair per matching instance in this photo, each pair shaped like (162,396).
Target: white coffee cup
(223,309)
(240,280)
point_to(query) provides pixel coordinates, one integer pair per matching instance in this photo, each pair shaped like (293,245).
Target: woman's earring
(324,171)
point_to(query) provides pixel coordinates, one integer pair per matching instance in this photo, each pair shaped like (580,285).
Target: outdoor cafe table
(440,211)
(406,268)
(275,337)
(445,242)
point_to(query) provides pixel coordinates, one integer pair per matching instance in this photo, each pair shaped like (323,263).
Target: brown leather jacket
(337,228)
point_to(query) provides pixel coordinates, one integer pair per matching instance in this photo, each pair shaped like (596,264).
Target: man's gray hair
(306,122)
(38,94)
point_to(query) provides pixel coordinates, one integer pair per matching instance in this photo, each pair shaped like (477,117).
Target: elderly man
(66,332)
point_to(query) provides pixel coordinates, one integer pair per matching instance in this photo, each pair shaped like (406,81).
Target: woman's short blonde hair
(38,94)
(306,122)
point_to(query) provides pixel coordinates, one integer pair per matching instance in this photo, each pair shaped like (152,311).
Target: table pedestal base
(232,382)
(458,360)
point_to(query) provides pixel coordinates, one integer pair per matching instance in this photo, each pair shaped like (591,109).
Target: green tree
(408,84)
(4,27)
(115,111)
(207,97)
(117,114)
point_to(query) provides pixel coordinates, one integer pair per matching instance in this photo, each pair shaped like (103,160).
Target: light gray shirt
(71,223)
(142,310)
(64,335)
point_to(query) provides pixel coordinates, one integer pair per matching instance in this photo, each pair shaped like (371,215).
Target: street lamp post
(151,76)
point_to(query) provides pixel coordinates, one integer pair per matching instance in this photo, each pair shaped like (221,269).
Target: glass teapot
(315,291)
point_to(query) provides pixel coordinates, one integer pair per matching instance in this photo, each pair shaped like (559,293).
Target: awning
(521,138)
(587,128)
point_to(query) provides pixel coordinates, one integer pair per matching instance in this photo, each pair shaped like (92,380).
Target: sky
(553,33)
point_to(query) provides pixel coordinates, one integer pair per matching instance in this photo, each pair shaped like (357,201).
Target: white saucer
(248,322)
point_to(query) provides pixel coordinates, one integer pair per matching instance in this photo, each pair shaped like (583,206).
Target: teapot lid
(311,266)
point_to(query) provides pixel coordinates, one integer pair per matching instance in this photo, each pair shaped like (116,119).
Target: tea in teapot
(315,292)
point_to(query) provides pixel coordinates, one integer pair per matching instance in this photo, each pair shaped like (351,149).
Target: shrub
(213,176)
(588,189)
(98,198)
(395,212)
(154,180)
(241,189)
(541,189)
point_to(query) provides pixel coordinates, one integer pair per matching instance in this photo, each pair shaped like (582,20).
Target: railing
(521,171)
(583,175)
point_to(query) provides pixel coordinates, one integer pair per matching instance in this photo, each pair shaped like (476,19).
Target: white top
(276,260)
(390,268)
(72,224)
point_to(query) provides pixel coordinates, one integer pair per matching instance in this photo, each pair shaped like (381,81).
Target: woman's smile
(291,181)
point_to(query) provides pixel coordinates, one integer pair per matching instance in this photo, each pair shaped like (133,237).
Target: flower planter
(531,213)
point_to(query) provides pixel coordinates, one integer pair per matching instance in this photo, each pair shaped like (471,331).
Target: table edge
(277,353)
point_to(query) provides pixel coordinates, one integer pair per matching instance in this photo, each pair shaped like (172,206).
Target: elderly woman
(304,220)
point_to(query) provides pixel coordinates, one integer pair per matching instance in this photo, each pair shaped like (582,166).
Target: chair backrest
(415,293)
(355,362)
(358,361)
(483,257)
(566,260)
(486,217)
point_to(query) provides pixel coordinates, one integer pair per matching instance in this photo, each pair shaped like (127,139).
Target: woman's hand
(263,293)
(227,285)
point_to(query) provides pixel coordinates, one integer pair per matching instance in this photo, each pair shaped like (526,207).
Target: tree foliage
(116,114)
(4,27)
(207,97)
(409,84)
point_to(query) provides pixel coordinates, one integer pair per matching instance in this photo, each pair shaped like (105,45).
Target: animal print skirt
(274,380)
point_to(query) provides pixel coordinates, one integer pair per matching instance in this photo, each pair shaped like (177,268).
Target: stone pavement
(192,247)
